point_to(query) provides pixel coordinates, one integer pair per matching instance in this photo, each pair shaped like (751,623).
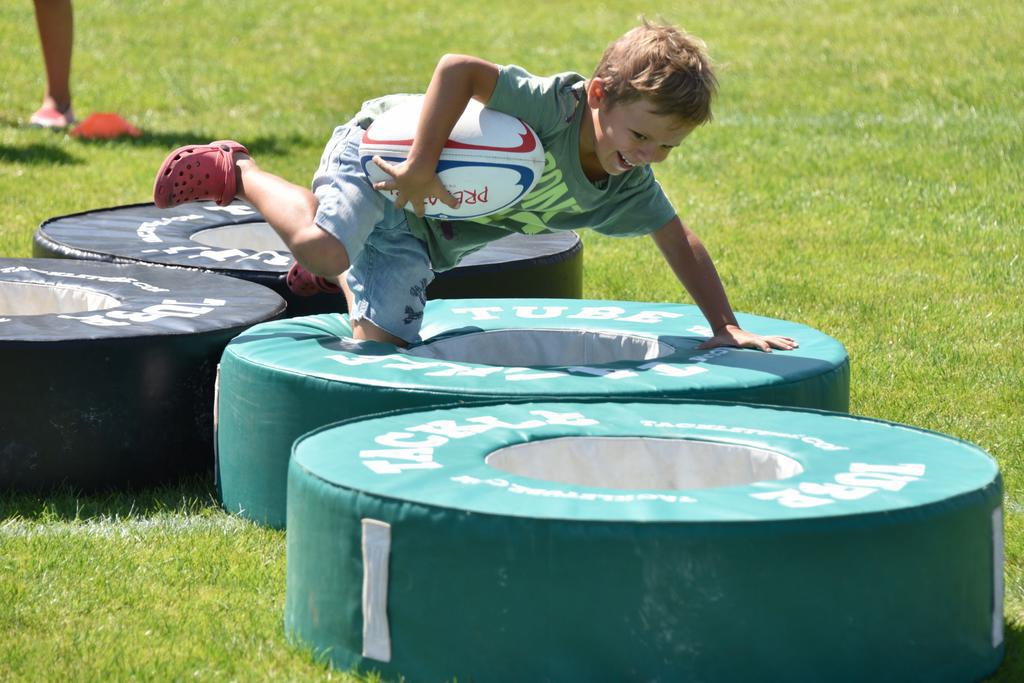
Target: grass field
(863,176)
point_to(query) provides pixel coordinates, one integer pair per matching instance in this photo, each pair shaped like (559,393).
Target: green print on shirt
(549,197)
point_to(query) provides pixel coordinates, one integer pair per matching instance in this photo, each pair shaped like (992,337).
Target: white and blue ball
(490,161)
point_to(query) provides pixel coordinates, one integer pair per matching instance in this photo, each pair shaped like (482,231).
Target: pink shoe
(48,117)
(196,172)
(304,283)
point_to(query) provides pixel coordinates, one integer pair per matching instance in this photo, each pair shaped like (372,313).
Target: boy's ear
(595,92)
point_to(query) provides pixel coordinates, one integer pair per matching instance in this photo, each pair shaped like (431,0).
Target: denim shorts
(390,268)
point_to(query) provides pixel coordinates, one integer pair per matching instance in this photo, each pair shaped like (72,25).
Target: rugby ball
(490,161)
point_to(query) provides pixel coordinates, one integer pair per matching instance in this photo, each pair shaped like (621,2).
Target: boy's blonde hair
(669,68)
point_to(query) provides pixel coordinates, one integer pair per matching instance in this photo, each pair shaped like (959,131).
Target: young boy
(653,87)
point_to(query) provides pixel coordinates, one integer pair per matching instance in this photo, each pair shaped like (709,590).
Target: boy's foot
(196,172)
(49,117)
(304,283)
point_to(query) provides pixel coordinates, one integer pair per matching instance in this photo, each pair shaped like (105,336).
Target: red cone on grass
(104,126)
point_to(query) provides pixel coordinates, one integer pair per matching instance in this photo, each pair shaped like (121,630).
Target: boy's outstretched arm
(693,266)
(456,79)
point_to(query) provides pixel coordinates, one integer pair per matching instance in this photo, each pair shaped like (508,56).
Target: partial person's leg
(55,21)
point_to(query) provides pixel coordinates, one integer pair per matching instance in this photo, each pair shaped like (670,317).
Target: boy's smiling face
(615,139)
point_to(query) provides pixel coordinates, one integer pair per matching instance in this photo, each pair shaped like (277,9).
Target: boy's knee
(319,252)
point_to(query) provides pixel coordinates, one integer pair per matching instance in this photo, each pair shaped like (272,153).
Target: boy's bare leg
(291,211)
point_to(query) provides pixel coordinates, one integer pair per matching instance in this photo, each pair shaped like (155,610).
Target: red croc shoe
(304,283)
(196,172)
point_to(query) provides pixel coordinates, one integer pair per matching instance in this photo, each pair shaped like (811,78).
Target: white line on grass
(122,527)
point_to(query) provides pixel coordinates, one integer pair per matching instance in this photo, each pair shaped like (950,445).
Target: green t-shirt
(563,199)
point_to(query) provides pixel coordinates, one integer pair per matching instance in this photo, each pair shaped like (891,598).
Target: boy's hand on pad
(731,335)
(413,186)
